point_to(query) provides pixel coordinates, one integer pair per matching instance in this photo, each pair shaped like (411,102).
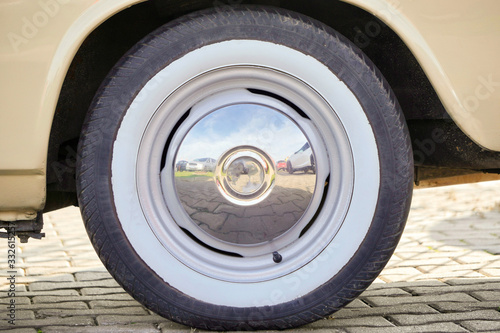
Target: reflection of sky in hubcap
(242,124)
(243,199)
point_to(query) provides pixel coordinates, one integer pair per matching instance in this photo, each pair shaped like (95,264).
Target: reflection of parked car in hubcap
(181,165)
(301,160)
(201,164)
(281,165)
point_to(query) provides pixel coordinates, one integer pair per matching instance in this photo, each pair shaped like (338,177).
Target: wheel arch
(104,33)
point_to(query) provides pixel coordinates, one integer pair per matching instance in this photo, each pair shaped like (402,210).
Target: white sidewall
(366,170)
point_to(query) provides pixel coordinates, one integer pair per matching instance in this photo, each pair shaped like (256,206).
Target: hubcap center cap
(245,175)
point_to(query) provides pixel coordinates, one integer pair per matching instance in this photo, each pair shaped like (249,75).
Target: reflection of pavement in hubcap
(251,224)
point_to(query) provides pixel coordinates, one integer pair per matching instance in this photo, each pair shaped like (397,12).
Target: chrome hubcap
(231,218)
(244,202)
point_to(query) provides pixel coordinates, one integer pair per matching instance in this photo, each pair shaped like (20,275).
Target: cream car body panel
(37,44)
(456,43)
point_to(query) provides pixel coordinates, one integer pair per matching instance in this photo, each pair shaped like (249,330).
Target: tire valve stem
(277,257)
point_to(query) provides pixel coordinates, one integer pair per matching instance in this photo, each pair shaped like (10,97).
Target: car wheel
(183,246)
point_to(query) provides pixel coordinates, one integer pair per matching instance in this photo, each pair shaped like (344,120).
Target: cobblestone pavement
(444,276)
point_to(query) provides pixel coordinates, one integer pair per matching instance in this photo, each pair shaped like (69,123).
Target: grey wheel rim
(231,223)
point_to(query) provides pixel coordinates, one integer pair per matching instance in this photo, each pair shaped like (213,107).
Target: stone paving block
(78,250)
(385,292)
(4,299)
(439,261)
(133,311)
(170,326)
(375,321)
(493,264)
(22,330)
(85,262)
(428,328)
(102,291)
(491,249)
(481,242)
(442,269)
(132,328)
(7,273)
(454,289)
(383,311)
(472,235)
(6,287)
(74,242)
(46,264)
(405,284)
(64,292)
(77,246)
(92,276)
(36,286)
(120,320)
(488,295)
(296,330)
(492,224)
(493,272)
(41,260)
(426,252)
(428,299)
(85,255)
(470,274)
(401,271)
(451,249)
(406,319)
(46,278)
(51,242)
(31,257)
(112,304)
(78,298)
(459,282)
(58,305)
(61,270)
(482,325)
(70,321)
(21,315)
(466,306)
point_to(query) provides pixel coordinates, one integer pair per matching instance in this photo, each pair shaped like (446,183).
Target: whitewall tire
(239,245)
